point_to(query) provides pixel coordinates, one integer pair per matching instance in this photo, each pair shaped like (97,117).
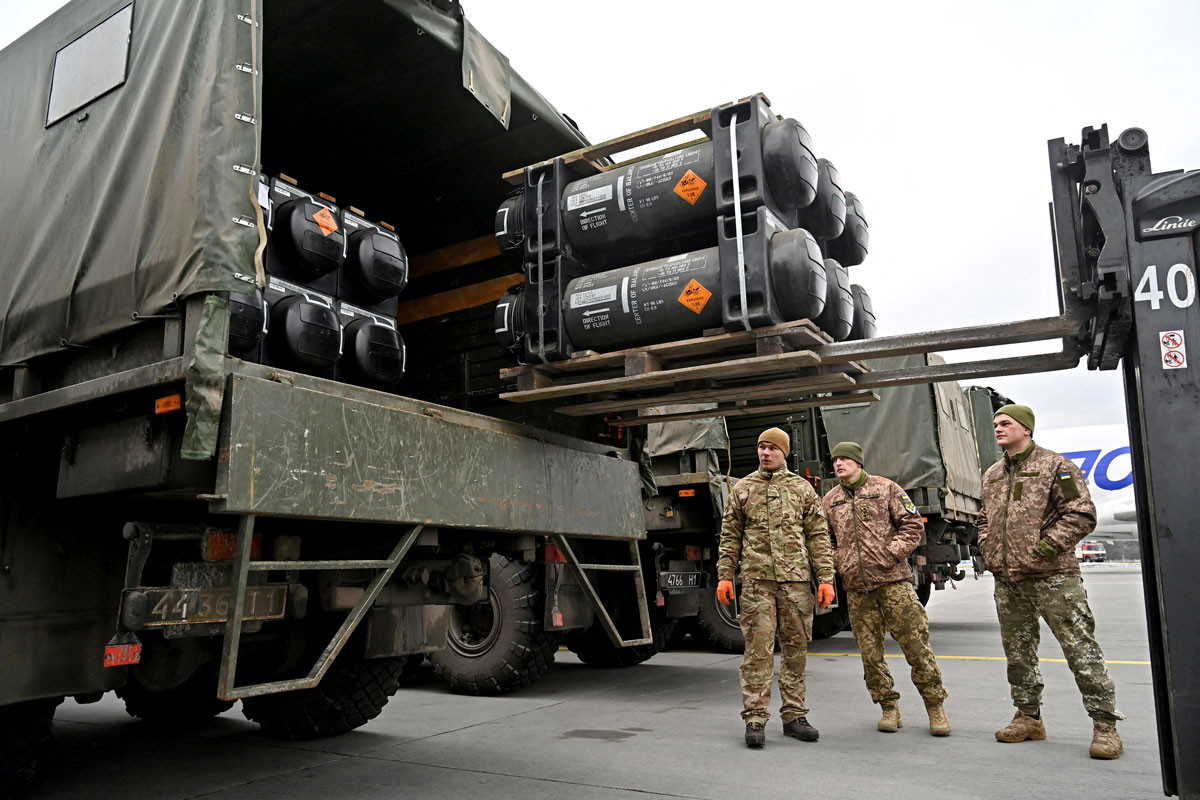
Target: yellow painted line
(979,658)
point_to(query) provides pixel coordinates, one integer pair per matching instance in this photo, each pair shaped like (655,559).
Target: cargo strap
(243,566)
(737,218)
(634,569)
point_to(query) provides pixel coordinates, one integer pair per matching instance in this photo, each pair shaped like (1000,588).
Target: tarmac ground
(667,728)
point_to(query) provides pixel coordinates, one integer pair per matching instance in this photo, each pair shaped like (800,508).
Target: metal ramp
(633,569)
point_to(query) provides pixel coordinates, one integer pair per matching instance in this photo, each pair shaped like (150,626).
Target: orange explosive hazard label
(690,187)
(325,219)
(695,296)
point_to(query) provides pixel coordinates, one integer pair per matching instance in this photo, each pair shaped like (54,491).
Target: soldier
(876,527)
(773,527)
(1036,508)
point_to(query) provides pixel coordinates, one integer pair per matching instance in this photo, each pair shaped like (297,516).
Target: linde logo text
(1171,223)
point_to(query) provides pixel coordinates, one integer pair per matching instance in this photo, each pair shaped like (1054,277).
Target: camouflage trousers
(894,608)
(770,609)
(1062,601)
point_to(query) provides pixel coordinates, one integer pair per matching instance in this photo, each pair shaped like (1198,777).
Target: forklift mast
(1126,247)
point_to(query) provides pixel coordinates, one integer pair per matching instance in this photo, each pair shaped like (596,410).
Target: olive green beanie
(849,450)
(777,437)
(1022,414)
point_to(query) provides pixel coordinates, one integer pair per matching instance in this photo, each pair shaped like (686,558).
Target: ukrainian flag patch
(1067,482)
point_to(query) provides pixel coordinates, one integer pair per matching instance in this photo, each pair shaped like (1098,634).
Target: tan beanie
(777,437)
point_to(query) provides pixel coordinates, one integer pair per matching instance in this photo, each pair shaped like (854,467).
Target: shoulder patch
(1069,489)
(909,505)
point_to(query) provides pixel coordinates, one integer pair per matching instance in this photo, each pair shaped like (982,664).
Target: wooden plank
(477,294)
(747,410)
(798,332)
(758,391)
(755,365)
(533,379)
(591,153)
(641,363)
(471,251)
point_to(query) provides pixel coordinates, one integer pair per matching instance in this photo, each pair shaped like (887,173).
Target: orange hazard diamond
(690,187)
(695,296)
(325,219)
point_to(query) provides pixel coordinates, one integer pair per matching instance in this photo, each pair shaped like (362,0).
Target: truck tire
(352,693)
(832,622)
(595,649)
(24,734)
(718,622)
(924,590)
(499,645)
(189,705)
(836,619)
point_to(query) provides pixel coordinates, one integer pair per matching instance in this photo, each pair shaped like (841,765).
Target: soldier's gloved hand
(825,594)
(725,592)
(1046,549)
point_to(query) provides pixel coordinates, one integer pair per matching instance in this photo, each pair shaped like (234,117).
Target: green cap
(1022,414)
(849,450)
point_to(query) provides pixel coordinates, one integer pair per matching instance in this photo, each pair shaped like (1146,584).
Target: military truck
(218,485)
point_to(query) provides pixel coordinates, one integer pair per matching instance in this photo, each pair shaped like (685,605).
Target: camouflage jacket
(876,526)
(774,525)
(1038,493)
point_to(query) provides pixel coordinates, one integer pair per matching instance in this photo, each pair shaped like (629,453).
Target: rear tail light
(221,545)
(551,554)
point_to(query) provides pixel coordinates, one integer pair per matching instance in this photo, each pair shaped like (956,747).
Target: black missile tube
(665,204)
(373,354)
(672,298)
(825,217)
(864,314)
(850,249)
(838,317)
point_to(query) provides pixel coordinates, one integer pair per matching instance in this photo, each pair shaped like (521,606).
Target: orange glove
(725,592)
(825,594)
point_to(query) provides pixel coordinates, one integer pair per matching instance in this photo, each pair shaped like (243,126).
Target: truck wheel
(595,649)
(925,590)
(24,734)
(718,622)
(499,645)
(352,693)
(189,705)
(832,622)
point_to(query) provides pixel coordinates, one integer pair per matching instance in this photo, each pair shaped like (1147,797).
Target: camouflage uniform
(876,527)
(773,527)
(1033,495)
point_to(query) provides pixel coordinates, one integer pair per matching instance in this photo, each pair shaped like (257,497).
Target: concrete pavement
(667,728)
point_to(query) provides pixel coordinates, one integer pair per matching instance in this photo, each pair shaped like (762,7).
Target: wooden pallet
(594,159)
(745,372)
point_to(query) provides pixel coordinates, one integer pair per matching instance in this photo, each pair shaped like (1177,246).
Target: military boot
(890,722)
(800,729)
(939,723)
(756,734)
(1021,728)
(1106,742)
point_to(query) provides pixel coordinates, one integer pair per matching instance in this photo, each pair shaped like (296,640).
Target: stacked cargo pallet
(697,273)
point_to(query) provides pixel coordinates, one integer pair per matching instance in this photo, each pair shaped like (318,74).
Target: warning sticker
(1174,353)
(325,219)
(690,187)
(695,296)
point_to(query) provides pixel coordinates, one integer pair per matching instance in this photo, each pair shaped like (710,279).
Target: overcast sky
(935,113)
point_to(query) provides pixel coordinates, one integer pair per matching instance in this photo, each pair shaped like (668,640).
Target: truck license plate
(186,606)
(678,580)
